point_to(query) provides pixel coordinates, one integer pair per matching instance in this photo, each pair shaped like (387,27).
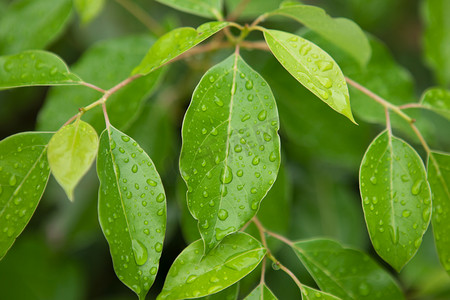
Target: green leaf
(204,8)
(342,32)
(396,198)
(261,292)
(30,24)
(71,152)
(105,64)
(34,67)
(23,178)
(312,67)
(254,8)
(230,293)
(436,14)
(89,9)
(438,100)
(346,273)
(313,294)
(236,256)
(131,208)
(439,178)
(231,150)
(175,43)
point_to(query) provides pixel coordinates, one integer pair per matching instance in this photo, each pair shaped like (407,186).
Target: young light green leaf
(131,209)
(105,64)
(71,152)
(204,8)
(236,256)
(23,178)
(34,67)
(396,198)
(346,273)
(436,14)
(437,100)
(261,292)
(89,9)
(342,32)
(313,294)
(231,149)
(175,43)
(312,67)
(439,178)
(19,29)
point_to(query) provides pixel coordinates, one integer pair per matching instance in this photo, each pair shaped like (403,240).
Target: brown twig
(90,85)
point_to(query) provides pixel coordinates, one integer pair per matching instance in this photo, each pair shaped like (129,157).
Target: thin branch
(70,120)
(122,84)
(261,230)
(260,19)
(215,45)
(281,238)
(255,45)
(90,85)
(105,114)
(388,119)
(238,10)
(263,271)
(289,272)
(421,139)
(411,105)
(142,16)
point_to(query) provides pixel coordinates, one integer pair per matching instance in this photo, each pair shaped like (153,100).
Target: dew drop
(238,148)
(364,289)
(245,117)
(218,101)
(160,198)
(153,271)
(255,160)
(373,179)
(262,115)
(134,169)
(125,138)
(272,156)
(406,213)
(223,214)
(140,252)
(239,173)
(267,137)
(158,247)
(12,180)
(416,188)
(191,279)
(249,84)
(151,182)
(226,175)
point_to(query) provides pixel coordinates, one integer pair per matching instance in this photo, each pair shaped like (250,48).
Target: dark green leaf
(261,292)
(346,273)
(205,8)
(396,198)
(437,100)
(31,24)
(175,43)
(236,256)
(312,67)
(131,208)
(342,32)
(89,9)
(313,294)
(436,14)
(231,150)
(71,152)
(34,67)
(105,65)
(23,177)
(439,178)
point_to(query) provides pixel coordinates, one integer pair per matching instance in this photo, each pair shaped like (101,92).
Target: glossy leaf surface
(230,293)
(131,208)
(236,256)
(19,29)
(175,43)
(204,8)
(34,67)
(231,149)
(23,178)
(342,32)
(439,178)
(346,273)
(313,294)
(89,9)
(436,14)
(396,198)
(437,100)
(105,64)
(261,292)
(71,152)
(312,67)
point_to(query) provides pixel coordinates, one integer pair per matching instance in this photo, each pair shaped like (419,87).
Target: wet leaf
(438,100)
(313,294)
(230,293)
(175,43)
(231,149)
(131,208)
(439,178)
(71,152)
(261,292)
(344,272)
(23,178)
(20,29)
(204,8)
(34,67)
(342,32)
(312,67)
(236,256)
(89,9)
(396,198)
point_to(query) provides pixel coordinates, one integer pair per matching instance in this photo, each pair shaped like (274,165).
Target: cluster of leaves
(230,155)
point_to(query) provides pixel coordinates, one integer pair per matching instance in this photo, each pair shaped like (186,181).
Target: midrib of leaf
(325,271)
(391,190)
(77,126)
(25,178)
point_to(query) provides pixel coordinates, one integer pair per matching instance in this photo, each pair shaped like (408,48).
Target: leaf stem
(105,114)
(421,139)
(142,16)
(263,270)
(388,119)
(411,105)
(90,85)
(238,10)
(281,238)
(258,20)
